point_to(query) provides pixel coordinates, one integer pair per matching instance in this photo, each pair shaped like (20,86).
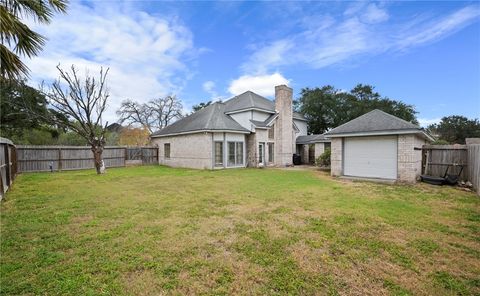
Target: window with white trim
(235,153)
(218,154)
(166,150)
(271,153)
(271,132)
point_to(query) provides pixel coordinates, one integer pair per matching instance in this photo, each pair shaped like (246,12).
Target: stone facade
(251,151)
(183,153)
(409,163)
(336,157)
(284,126)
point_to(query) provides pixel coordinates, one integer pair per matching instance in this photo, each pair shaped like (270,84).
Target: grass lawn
(156,230)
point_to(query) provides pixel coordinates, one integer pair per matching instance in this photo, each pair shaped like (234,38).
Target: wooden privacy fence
(436,159)
(474,165)
(8,165)
(62,158)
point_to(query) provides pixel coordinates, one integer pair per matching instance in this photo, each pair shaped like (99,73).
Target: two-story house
(246,130)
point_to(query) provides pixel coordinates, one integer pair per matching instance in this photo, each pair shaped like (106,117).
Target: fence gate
(141,155)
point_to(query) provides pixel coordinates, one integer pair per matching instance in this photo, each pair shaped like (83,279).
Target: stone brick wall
(251,150)
(190,151)
(336,157)
(409,159)
(305,154)
(319,149)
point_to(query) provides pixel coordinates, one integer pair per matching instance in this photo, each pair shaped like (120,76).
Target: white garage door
(372,157)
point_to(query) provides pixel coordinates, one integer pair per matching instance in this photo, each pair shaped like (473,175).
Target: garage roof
(376,122)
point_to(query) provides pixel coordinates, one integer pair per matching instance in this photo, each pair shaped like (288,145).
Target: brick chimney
(283,126)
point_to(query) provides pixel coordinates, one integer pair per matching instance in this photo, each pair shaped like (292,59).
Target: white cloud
(209,87)
(272,55)
(424,122)
(440,28)
(261,84)
(145,53)
(362,31)
(373,14)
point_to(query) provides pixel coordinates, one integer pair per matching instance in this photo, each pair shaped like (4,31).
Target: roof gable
(249,100)
(374,121)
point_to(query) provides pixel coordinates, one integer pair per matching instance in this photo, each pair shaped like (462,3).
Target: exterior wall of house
(259,115)
(284,134)
(336,166)
(190,151)
(253,153)
(319,149)
(302,126)
(243,118)
(251,141)
(305,154)
(409,157)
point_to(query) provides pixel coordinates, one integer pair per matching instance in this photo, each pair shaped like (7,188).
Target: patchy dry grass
(156,230)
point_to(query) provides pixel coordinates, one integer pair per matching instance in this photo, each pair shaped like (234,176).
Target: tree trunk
(97,156)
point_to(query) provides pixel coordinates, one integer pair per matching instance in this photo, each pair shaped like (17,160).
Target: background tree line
(327,107)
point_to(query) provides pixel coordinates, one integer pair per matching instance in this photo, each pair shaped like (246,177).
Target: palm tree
(17,38)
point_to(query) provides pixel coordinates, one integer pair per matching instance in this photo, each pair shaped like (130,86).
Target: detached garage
(378,145)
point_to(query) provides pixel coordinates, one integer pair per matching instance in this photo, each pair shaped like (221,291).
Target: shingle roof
(212,117)
(374,121)
(310,139)
(249,100)
(264,123)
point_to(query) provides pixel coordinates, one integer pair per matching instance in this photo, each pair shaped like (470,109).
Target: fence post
(59,159)
(7,163)
(125,156)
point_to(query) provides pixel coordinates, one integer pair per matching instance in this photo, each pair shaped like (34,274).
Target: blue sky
(423,53)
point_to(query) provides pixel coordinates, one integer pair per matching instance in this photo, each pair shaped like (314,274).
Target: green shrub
(324,159)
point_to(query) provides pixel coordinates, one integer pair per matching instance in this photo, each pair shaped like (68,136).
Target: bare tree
(165,110)
(154,115)
(135,113)
(83,103)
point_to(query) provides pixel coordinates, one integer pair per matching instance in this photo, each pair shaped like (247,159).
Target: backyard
(157,230)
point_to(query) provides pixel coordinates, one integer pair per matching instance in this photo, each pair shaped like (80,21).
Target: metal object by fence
(61,158)
(8,165)
(474,165)
(147,155)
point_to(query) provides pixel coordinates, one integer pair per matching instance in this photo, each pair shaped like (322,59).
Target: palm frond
(17,37)
(11,65)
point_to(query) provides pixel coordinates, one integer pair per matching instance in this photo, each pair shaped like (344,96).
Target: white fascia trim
(271,121)
(249,109)
(200,131)
(381,133)
(301,119)
(295,127)
(261,127)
